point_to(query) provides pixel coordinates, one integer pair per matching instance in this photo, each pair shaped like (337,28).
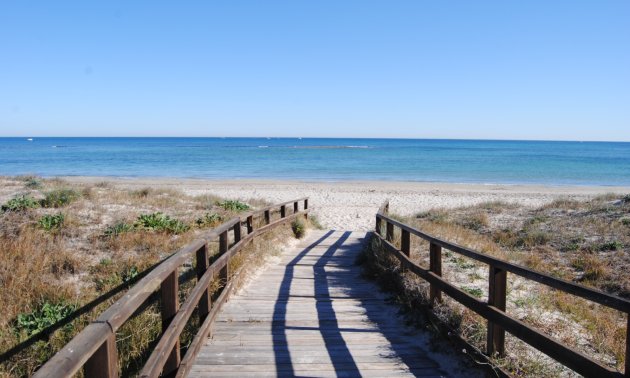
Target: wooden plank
(496,297)
(569,357)
(170,306)
(270,322)
(435,266)
(104,362)
(594,295)
(202,265)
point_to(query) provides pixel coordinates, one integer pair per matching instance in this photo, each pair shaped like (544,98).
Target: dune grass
(587,242)
(65,245)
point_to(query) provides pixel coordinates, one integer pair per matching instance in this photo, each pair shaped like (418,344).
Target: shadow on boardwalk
(312,314)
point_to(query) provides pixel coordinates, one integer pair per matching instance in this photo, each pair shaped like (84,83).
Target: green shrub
(208,220)
(20,203)
(117,229)
(474,291)
(51,222)
(59,198)
(233,205)
(32,183)
(129,273)
(36,321)
(475,221)
(161,223)
(298,228)
(611,246)
(625,221)
(626,198)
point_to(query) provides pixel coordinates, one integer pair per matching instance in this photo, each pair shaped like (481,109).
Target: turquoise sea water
(461,161)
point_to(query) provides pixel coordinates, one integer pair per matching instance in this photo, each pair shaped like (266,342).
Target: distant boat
(30,139)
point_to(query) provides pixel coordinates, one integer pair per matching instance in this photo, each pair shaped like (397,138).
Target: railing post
(237,232)
(295,207)
(223,247)
(283,211)
(435,266)
(104,362)
(267,217)
(627,369)
(202,265)
(305,203)
(378,226)
(405,242)
(250,224)
(390,232)
(170,305)
(496,298)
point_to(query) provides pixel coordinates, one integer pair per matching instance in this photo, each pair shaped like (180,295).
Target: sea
(323,159)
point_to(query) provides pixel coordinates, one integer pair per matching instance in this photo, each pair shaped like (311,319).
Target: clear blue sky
(441,69)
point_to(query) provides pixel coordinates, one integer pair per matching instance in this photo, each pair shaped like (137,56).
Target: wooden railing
(94,348)
(494,309)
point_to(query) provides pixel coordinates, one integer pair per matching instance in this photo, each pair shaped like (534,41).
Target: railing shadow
(334,273)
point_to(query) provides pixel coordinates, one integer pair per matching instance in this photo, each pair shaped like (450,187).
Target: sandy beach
(351,205)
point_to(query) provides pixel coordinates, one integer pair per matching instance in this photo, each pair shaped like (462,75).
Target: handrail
(94,348)
(494,309)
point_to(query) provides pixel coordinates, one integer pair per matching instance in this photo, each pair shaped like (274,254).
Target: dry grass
(587,242)
(77,262)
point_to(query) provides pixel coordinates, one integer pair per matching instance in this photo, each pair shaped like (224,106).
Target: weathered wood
(627,367)
(496,297)
(237,232)
(569,357)
(405,242)
(295,207)
(268,329)
(75,355)
(435,266)
(223,247)
(283,211)
(250,224)
(594,295)
(202,265)
(104,362)
(267,217)
(390,231)
(170,306)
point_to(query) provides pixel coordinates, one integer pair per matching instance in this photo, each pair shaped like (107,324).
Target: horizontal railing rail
(94,348)
(494,310)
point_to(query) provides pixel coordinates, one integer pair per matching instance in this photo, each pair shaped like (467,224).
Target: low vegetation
(587,242)
(69,250)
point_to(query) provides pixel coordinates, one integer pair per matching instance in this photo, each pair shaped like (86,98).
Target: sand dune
(352,205)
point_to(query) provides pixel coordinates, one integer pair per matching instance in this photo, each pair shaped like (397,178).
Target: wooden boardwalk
(311,314)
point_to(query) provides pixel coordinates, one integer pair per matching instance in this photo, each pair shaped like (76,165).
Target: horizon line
(325,137)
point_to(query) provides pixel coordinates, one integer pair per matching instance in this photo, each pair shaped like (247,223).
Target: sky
(551,70)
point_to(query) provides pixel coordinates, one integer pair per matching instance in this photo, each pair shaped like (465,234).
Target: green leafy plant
(20,203)
(129,273)
(32,183)
(625,221)
(117,229)
(161,223)
(47,315)
(611,246)
(208,220)
(59,198)
(233,205)
(298,228)
(51,222)
(474,291)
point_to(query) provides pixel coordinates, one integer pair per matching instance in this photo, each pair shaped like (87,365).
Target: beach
(351,205)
